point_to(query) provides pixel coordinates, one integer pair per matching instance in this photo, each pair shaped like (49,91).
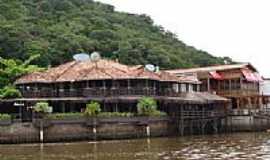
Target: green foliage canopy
(146,106)
(42,107)
(92,109)
(9,92)
(57,29)
(10,69)
(4,117)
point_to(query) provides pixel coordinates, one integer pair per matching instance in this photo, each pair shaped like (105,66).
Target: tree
(58,29)
(9,92)
(92,109)
(42,107)
(11,69)
(146,106)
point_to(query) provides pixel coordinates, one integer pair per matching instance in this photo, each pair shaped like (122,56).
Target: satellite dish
(95,56)
(150,67)
(81,57)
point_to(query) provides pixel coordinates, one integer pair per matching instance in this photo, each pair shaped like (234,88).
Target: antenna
(95,56)
(150,67)
(81,57)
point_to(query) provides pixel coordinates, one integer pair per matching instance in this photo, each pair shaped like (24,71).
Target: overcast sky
(239,29)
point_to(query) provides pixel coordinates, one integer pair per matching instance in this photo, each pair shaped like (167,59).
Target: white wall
(265,87)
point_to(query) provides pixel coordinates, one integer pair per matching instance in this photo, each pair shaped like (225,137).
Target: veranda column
(71,89)
(147,86)
(36,90)
(155,87)
(230,85)
(208,85)
(128,86)
(104,87)
(61,89)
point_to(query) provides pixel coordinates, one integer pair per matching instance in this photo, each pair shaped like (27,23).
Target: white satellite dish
(81,57)
(150,67)
(95,56)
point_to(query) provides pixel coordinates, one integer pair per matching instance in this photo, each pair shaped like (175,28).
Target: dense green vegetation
(58,29)
(116,114)
(147,106)
(9,92)
(74,115)
(92,109)
(5,117)
(10,69)
(42,107)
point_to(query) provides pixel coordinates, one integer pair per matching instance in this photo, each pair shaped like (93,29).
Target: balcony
(95,92)
(239,92)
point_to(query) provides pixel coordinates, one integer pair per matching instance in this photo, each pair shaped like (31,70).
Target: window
(204,85)
(175,88)
(187,88)
(195,87)
(183,88)
(190,87)
(226,84)
(198,87)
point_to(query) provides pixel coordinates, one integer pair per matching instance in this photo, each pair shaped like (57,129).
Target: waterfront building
(118,87)
(238,82)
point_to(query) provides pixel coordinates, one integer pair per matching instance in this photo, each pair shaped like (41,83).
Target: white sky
(239,29)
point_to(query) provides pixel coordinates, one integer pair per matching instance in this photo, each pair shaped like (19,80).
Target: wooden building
(238,82)
(70,86)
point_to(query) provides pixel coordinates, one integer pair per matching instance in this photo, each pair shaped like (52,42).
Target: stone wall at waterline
(19,133)
(74,130)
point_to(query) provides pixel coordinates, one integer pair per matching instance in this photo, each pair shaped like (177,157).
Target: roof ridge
(209,68)
(88,72)
(113,62)
(75,62)
(104,71)
(122,70)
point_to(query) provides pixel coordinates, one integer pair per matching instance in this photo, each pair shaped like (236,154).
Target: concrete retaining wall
(19,133)
(248,123)
(71,130)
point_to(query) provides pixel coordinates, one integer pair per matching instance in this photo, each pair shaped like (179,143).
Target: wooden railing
(97,92)
(240,92)
(202,114)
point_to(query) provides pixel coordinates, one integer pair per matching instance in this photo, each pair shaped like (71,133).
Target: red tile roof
(88,70)
(213,68)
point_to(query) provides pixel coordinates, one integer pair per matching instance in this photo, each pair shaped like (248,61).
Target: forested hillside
(57,29)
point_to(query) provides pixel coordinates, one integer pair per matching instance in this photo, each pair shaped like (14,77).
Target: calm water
(235,146)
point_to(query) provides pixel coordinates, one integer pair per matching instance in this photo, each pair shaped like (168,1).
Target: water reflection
(235,146)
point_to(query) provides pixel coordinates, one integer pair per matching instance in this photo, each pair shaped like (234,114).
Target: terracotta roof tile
(212,68)
(88,70)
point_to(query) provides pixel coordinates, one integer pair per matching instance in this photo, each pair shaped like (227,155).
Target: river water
(230,146)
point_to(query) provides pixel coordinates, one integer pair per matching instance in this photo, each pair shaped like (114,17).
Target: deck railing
(202,114)
(242,92)
(97,92)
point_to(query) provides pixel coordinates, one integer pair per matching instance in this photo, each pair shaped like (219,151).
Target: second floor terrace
(106,88)
(226,80)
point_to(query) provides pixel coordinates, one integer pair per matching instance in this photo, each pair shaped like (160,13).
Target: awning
(216,75)
(251,76)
